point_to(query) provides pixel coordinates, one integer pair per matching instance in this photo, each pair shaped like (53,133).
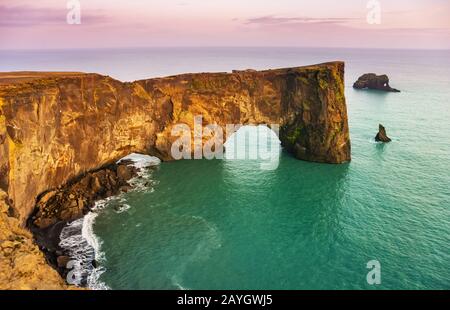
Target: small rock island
(373,81)
(381,135)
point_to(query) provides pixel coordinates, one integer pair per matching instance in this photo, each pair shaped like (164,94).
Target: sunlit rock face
(57,126)
(22,264)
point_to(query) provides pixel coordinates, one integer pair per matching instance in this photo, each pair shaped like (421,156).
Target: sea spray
(83,247)
(78,240)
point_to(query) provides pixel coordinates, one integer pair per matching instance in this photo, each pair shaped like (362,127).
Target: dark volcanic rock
(373,81)
(381,135)
(75,199)
(62,261)
(125,173)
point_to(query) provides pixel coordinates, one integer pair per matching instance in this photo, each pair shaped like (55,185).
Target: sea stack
(381,135)
(373,81)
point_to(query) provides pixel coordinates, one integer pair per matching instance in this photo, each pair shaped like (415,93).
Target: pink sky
(41,24)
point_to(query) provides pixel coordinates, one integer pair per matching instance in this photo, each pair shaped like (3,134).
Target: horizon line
(220,46)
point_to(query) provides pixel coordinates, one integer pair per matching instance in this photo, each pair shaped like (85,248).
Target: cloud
(26,16)
(274,20)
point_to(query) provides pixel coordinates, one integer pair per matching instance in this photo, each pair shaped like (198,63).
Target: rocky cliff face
(22,264)
(54,127)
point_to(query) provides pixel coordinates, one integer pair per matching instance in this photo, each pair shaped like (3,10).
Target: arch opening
(253,146)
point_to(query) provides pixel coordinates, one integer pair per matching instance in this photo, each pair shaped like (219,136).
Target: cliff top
(8,78)
(18,77)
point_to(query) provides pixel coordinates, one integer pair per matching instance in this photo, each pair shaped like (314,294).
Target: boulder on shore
(72,201)
(373,81)
(381,135)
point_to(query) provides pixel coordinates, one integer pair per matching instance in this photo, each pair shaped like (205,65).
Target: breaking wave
(78,240)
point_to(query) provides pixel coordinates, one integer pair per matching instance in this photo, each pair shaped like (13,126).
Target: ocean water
(227,224)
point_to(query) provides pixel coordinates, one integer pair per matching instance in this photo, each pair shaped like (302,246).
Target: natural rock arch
(57,126)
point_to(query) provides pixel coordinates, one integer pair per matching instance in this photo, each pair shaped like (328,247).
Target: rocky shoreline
(56,208)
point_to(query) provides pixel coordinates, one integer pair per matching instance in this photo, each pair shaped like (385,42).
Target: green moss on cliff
(197,84)
(202,82)
(323,83)
(303,79)
(140,92)
(294,135)
(307,104)
(338,85)
(339,95)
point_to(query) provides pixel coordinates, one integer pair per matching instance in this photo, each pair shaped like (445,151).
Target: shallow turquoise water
(225,225)
(230,225)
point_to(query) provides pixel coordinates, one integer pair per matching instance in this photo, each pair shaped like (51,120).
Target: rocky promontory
(61,128)
(373,81)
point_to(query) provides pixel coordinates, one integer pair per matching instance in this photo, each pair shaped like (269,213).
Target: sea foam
(78,239)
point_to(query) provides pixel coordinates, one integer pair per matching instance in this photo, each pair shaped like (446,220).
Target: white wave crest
(78,239)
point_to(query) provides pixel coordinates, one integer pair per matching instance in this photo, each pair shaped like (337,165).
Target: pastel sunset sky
(31,24)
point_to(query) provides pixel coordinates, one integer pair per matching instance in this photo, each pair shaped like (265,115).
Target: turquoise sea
(226,224)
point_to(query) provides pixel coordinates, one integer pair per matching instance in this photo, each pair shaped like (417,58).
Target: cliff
(57,126)
(22,264)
